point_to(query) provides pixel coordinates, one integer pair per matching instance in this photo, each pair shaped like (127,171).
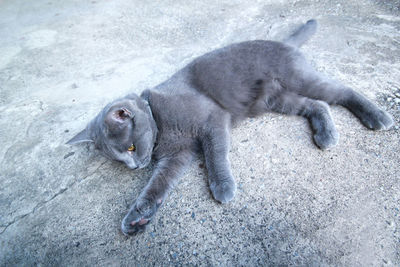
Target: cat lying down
(194,110)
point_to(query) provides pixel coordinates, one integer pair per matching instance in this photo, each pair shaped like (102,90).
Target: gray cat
(194,110)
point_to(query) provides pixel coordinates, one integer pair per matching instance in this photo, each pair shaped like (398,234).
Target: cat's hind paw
(377,120)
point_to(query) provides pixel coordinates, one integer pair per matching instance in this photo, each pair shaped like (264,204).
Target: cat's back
(237,75)
(229,79)
(238,57)
(241,49)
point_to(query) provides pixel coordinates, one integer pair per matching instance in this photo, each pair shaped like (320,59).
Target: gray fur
(194,110)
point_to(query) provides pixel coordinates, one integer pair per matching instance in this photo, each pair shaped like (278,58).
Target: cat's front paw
(223,191)
(139,216)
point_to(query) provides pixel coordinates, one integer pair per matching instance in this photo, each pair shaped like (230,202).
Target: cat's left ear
(81,137)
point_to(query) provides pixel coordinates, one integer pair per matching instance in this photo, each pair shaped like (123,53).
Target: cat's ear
(81,137)
(117,119)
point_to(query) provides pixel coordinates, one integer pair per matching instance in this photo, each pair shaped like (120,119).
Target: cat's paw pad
(378,120)
(223,191)
(138,217)
(326,139)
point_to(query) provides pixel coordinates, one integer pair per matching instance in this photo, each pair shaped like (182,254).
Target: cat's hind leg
(215,144)
(314,85)
(317,112)
(369,114)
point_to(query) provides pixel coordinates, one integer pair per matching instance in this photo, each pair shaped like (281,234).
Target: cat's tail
(302,34)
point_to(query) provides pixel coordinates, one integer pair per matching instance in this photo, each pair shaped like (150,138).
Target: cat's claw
(138,217)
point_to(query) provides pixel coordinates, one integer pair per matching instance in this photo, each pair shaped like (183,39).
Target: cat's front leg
(215,144)
(164,177)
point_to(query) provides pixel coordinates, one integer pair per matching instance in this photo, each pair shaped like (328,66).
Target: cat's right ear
(117,119)
(81,137)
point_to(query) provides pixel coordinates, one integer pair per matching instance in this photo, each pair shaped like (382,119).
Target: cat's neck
(145,96)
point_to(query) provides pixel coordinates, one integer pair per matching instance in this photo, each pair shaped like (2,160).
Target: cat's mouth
(132,165)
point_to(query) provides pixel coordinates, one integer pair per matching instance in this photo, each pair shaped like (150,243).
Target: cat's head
(124,131)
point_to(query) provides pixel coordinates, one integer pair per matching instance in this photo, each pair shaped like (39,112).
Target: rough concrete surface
(60,205)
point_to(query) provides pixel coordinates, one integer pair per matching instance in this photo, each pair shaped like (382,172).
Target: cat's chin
(132,167)
(142,165)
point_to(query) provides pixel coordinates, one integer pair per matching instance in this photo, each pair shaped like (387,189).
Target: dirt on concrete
(61,205)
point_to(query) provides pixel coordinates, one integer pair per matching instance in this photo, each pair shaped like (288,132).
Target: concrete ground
(60,205)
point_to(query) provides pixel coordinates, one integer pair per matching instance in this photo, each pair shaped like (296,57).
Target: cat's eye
(132,148)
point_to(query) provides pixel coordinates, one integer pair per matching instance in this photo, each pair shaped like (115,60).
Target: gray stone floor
(61,61)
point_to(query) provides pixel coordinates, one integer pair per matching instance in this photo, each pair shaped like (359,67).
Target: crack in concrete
(42,203)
